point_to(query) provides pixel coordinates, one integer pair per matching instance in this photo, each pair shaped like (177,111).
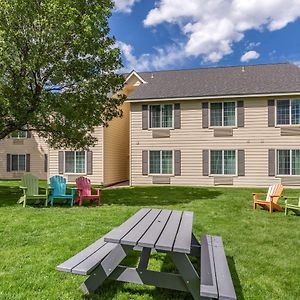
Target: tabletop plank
(133,236)
(167,237)
(184,235)
(152,234)
(118,233)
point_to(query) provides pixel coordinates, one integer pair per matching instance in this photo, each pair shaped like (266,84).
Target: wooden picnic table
(168,231)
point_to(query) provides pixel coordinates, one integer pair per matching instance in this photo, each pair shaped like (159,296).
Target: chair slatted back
(32,184)
(83,185)
(275,189)
(58,185)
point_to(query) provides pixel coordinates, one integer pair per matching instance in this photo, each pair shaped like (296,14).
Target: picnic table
(160,230)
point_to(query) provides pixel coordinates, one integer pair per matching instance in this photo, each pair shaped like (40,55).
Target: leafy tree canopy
(57,69)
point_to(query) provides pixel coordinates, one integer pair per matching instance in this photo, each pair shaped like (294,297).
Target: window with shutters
(75,162)
(19,134)
(222,114)
(161,116)
(288,162)
(161,162)
(223,162)
(18,162)
(288,112)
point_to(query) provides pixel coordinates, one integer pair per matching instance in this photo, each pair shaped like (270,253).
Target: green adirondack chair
(30,187)
(293,204)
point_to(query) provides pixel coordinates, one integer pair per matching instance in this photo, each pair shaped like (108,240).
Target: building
(235,126)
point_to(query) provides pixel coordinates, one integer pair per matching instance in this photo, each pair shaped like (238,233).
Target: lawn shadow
(157,196)
(235,278)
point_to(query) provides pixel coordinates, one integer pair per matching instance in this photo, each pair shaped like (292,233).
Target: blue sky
(176,34)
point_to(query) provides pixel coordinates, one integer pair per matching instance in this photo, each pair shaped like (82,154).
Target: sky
(182,34)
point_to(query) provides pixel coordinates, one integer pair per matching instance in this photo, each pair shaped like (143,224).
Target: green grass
(262,249)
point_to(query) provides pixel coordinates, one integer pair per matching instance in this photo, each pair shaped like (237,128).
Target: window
(223,162)
(161,116)
(288,112)
(222,114)
(75,161)
(19,134)
(288,162)
(161,162)
(18,162)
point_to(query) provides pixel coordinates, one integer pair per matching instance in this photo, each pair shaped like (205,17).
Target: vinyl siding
(255,138)
(35,146)
(97,176)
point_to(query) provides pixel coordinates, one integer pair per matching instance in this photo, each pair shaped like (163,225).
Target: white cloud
(125,5)
(213,26)
(252,45)
(249,56)
(160,59)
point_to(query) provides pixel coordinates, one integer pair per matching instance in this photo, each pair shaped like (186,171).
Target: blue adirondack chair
(58,188)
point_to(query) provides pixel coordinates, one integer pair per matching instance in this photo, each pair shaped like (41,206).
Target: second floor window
(288,162)
(75,162)
(223,162)
(19,134)
(161,116)
(161,162)
(222,114)
(18,162)
(288,112)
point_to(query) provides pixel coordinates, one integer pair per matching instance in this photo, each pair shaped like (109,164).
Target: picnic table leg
(188,273)
(104,270)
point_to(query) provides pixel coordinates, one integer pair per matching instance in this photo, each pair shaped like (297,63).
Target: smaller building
(23,152)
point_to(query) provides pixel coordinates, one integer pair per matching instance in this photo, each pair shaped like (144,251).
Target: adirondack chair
(272,198)
(293,204)
(58,188)
(84,188)
(30,187)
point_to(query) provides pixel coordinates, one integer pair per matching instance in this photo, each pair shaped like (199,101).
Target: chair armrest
(259,194)
(23,187)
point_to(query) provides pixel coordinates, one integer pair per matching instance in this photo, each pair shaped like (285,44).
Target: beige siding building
(23,153)
(221,126)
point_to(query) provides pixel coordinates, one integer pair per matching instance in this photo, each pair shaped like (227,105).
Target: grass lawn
(263,249)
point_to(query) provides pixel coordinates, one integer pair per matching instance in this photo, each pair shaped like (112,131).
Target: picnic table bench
(167,231)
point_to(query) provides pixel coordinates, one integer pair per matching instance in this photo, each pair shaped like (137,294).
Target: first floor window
(223,162)
(222,114)
(288,162)
(161,162)
(288,112)
(19,134)
(161,116)
(75,161)
(18,162)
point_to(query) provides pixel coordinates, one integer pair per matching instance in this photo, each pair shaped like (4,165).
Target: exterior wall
(35,146)
(255,138)
(116,149)
(97,174)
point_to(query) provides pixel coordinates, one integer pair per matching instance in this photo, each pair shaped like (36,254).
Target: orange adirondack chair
(84,188)
(272,198)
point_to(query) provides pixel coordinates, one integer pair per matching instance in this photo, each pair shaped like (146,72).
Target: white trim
(223,126)
(133,72)
(85,165)
(290,113)
(160,157)
(149,117)
(223,175)
(213,97)
(291,162)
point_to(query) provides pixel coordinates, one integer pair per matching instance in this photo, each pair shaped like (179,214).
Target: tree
(58,69)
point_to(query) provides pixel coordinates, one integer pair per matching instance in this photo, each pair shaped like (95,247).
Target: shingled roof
(221,81)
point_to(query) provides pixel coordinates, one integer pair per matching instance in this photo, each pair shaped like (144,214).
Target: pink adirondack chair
(84,188)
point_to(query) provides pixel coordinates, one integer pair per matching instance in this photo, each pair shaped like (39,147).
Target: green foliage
(57,69)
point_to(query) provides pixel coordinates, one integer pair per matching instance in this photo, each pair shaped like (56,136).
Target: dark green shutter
(45,162)
(8,162)
(60,162)
(27,162)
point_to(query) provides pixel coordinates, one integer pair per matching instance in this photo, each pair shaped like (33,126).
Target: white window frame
(227,175)
(11,162)
(149,116)
(85,165)
(161,174)
(20,137)
(277,165)
(235,112)
(290,113)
